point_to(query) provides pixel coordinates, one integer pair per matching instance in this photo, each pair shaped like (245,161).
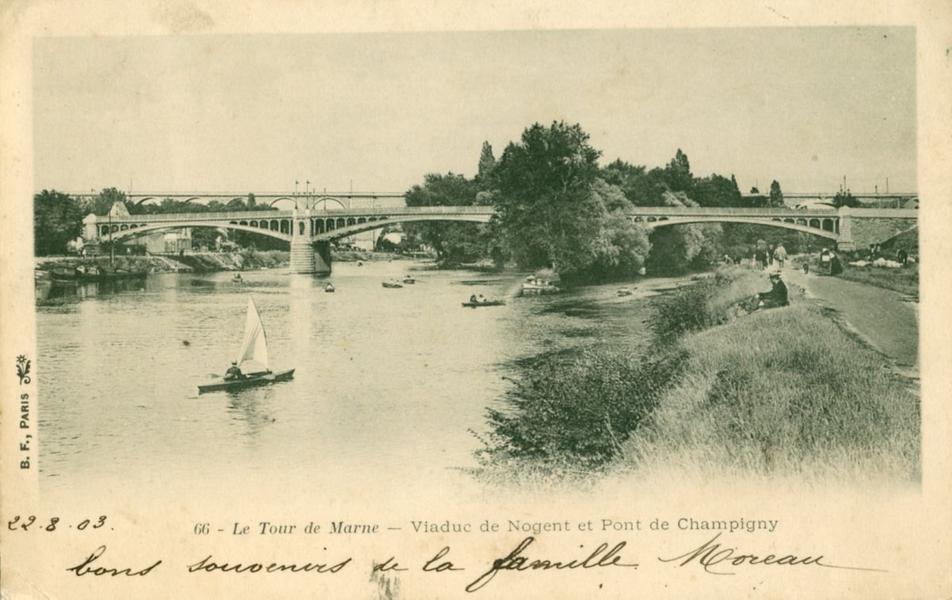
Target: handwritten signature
(712,554)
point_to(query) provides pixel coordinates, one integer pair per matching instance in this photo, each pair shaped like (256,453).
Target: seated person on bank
(233,372)
(777,296)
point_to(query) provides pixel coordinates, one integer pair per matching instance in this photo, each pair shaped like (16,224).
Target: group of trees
(57,220)
(555,209)
(845,198)
(453,242)
(559,208)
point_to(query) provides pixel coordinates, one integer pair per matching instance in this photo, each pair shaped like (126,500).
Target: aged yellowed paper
(418,300)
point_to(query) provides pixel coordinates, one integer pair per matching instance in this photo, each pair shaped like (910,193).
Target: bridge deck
(642,211)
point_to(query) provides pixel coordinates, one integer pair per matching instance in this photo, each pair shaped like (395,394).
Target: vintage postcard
(417,300)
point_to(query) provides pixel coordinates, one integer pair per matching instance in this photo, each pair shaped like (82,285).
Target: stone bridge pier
(307,256)
(845,243)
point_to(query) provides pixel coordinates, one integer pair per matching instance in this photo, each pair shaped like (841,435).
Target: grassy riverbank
(904,280)
(779,392)
(782,392)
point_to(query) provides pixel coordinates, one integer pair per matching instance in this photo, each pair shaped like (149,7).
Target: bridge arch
(326,199)
(146,199)
(817,231)
(156,227)
(342,230)
(276,200)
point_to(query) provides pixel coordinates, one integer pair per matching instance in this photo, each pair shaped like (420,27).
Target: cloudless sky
(377,111)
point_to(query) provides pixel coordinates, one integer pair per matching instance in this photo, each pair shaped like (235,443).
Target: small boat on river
(252,362)
(392,284)
(484,302)
(533,286)
(625,291)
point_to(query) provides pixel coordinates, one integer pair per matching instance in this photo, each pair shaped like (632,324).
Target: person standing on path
(780,255)
(760,254)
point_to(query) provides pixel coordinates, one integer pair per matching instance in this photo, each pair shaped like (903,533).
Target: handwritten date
(18,523)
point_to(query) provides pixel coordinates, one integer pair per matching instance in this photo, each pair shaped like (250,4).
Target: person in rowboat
(233,373)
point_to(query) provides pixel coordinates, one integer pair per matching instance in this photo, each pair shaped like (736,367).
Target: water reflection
(55,293)
(250,410)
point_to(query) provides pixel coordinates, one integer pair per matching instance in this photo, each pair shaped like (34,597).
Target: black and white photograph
(535,312)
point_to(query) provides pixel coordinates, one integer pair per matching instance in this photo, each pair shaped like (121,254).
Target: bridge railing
(715,211)
(410,210)
(258,215)
(884,213)
(286,214)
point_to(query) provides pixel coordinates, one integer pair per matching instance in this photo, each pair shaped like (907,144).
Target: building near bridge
(169,242)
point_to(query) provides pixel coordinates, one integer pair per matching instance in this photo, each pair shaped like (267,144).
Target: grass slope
(786,392)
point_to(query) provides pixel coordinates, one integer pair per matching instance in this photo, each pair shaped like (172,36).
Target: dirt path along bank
(887,320)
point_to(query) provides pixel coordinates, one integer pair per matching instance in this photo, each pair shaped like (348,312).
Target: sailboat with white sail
(251,367)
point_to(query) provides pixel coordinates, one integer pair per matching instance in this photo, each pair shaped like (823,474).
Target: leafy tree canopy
(776,195)
(845,199)
(100,204)
(487,164)
(57,220)
(555,211)
(453,242)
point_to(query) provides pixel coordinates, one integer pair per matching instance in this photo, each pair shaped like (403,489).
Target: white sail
(253,356)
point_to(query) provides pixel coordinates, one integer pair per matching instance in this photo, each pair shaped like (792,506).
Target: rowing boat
(484,303)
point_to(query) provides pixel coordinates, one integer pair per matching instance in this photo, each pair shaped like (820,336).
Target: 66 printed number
(14,524)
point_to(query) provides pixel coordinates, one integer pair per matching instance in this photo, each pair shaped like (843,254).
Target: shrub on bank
(708,302)
(578,412)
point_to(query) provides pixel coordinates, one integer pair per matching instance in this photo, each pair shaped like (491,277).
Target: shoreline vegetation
(201,262)
(720,392)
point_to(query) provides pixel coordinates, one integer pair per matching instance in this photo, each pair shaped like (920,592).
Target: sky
(375,112)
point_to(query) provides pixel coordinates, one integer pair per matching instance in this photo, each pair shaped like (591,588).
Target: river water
(390,384)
